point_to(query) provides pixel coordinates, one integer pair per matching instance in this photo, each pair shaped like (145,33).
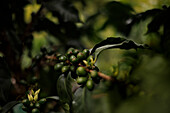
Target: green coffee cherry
(35,110)
(58,55)
(94,74)
(63,58)
(42,101)
(58,66)
(70,49)
(65,69)
(72,56)
(75,51)
(31,105)
(86,52)
(62,63)
(34,79)
(23,82)
(37,105)
(81,80)
(81,71)
(26,102)
(73,59)
(90,84)
(80,56)
(72,68)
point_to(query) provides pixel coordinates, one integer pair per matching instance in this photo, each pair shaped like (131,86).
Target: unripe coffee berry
(81,71)
(81,80)
(90,84)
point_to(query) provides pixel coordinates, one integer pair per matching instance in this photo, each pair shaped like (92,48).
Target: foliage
(73,79)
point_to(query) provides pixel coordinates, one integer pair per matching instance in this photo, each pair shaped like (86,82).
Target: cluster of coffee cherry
(81,66)
(32,104)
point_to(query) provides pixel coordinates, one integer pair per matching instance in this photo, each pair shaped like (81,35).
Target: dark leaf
(144,15)
(5,82)
(117,14)
(9,106)
(135,19)
(6,19)
(64,89)
(64,8)
(15,42)
(155,24)
(112,42)
(52,28)
(162,18)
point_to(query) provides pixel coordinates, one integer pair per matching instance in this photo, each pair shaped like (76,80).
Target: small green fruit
(65,69)
(81,80)
(70,49)
(26,102)
(58,55)
(90,84)
(72,56)
(81,71)
(94,74)
(86,52)
(35,110)
(42,101)
(75,51)
(31,105)
(23,82)
(37,105)
(62,63)
(72,68)
(58,66)
(63,58)
(73,59)
(34,79)
(80,56)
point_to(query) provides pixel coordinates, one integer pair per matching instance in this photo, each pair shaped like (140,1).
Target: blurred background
(30,27)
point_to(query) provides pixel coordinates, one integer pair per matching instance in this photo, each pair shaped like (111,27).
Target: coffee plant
(48,66)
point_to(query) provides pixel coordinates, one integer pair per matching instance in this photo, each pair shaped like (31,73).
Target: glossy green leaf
(18,108)
(79,100)
(64,89)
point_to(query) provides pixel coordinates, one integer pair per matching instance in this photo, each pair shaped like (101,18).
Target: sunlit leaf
(64,8)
